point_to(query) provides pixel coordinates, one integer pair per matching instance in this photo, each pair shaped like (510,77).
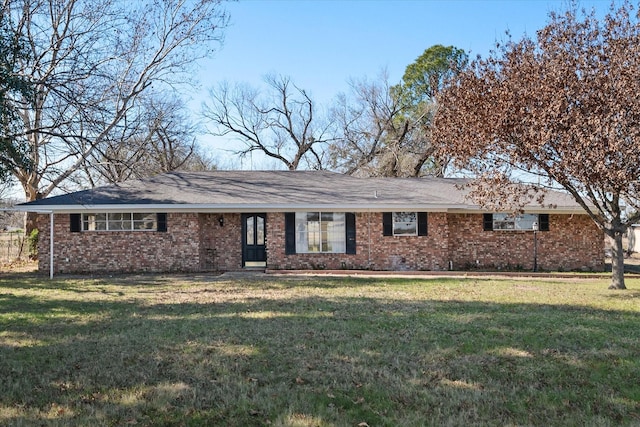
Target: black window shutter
(422,224)
(351,232)
(543,222)
(289,233)
(387,224)
(487,222)
(75,222)
(162,221)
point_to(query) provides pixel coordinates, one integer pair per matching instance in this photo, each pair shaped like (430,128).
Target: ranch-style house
(234,220)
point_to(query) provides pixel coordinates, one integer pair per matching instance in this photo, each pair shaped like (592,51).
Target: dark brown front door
(254,251)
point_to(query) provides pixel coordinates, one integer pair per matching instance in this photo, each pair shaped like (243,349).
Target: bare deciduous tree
(373,136)
(91,60)
(385,130)
(156,137)
(282,123)
(378,136)
(564,107)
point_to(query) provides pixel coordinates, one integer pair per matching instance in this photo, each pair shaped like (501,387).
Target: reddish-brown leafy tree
(563,108)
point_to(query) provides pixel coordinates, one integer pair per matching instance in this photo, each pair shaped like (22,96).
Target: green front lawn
(318,352)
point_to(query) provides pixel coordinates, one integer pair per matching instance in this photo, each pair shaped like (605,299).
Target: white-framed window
(119,221)
(511,222)
(405,223)
(320,232)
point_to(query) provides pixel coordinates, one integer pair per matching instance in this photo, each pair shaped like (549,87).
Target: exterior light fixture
(221,220)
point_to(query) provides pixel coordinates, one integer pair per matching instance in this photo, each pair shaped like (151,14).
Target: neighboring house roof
(272,191)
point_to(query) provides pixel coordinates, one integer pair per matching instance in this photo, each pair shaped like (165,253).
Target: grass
(318,352)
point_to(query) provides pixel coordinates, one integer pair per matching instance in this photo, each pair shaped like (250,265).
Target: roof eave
(255,208)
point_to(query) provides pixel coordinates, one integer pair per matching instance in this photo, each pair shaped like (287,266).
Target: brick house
(230,220)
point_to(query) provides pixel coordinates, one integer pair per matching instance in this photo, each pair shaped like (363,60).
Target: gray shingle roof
(275,191)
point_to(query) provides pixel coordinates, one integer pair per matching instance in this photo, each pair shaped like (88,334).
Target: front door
(254,251)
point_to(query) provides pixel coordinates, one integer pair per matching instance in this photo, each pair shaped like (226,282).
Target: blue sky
(322,44)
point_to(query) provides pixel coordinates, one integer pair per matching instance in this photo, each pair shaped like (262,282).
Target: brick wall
(373,250)
(197,242)
(177,249)
(220,245)
(573,242)
(278,260)
(408,252)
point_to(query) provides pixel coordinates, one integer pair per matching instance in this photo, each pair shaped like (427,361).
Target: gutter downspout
(51,245)
(369,237)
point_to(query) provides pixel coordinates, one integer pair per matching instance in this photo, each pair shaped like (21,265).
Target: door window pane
(259,230)
(251,240)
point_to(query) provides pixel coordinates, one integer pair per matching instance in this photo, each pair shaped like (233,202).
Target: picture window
(322,232)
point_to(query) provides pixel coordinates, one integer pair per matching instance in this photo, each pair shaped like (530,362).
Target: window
(94,222)
(404,223)
(120,221)
(311,232)
(145,221)
(511,222)
(320,232)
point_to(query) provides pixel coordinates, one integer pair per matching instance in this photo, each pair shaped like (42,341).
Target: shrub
(33,244)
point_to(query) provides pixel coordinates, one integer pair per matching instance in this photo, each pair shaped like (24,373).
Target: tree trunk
(31,193)
(30,223)
(617,262)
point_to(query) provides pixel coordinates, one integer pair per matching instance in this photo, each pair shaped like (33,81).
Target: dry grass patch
(318,352)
